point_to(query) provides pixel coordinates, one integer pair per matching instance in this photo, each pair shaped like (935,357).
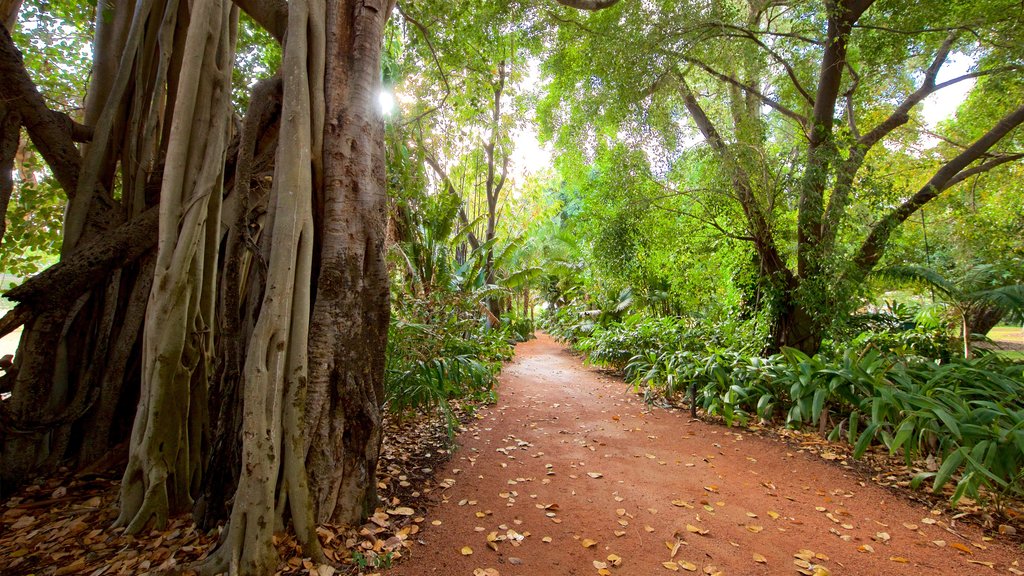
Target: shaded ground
(570,473)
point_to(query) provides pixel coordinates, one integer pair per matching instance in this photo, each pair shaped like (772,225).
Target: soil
(570,473)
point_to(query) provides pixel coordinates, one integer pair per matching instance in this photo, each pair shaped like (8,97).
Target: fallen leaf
(688,566)
(671,566)
(673,548)
(899,559)
(988,564)
(961,547)
(588,543)
(755,529)
(614,559)
(546,539)
(695,530)
(760,559)
(467,551)
(594,474)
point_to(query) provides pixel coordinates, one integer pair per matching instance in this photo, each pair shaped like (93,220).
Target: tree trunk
(794,327)
(170,434)
(982,318)
(348,335)
(273,484)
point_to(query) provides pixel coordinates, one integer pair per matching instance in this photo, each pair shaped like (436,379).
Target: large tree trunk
(76,371)
(793,326)
(348,334)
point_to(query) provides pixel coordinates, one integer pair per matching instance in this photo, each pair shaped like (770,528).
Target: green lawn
(1007,334)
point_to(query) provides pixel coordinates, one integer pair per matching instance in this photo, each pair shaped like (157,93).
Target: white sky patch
(943,104)
(528,155)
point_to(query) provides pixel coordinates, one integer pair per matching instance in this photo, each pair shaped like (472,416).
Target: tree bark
(165,458)
(348,335)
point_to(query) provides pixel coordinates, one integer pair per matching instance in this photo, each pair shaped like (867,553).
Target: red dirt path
(556,415)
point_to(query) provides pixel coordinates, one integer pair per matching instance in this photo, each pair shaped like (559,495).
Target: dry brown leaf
(588,543)
(961,547)
(695,530)
(760,559)
(673,548)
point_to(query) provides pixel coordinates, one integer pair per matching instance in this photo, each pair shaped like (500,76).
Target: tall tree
(806,101)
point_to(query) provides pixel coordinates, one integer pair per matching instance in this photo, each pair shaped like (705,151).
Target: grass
(1013,334)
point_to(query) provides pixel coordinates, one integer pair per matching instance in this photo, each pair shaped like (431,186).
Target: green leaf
(950,464)
(865,440)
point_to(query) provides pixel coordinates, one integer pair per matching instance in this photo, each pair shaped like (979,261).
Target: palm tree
(975,294)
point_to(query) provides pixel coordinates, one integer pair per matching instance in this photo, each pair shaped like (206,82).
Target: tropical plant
(972,294)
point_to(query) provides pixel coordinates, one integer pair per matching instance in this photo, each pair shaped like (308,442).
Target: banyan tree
(221,302)
(221,294)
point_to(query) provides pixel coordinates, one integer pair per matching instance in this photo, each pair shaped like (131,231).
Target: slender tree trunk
(170,434)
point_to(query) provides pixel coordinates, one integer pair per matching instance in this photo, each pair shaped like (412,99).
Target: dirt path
(569,456)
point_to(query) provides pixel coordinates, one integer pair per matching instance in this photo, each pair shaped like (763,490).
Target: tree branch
(764,242)
(842,14)
(60,284)
(474,242)
(949,174)
(775,105)
(272,15)
(901,114)
(790,72)
(983,167)
(51,135)
(592,5)
(437,62)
